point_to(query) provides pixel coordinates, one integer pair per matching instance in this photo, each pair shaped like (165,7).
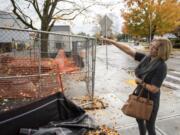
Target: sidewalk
(117,90)
(115,84)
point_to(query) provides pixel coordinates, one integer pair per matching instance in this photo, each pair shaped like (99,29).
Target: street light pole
(150,30)
(150,23)
(106,43)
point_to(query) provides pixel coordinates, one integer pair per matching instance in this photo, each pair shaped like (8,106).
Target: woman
(150,74)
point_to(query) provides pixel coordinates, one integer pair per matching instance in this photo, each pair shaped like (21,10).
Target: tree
(149,17)
(177,32)
(123,37)
(48,12)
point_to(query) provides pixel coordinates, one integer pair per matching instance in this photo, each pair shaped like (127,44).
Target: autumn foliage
(149,17)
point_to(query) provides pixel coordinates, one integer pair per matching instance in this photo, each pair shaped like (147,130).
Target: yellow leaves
(104,130)
(131,82)
(125,28)
(163,14)
(57,17)
(168,12)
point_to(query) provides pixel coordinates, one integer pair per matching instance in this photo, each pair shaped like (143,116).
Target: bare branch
(67,13)
(51,25)
(54,4)
(72,18)
(67,1)
(47,4)
(36,7)
(22,16)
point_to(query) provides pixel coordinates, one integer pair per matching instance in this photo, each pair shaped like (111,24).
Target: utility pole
(150,23)
(106,24)
(106,43)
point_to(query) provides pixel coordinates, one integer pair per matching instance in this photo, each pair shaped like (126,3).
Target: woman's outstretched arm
(122,46)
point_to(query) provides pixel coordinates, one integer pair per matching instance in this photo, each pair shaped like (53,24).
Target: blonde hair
(164,49)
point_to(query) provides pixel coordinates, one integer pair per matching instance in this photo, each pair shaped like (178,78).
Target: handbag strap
(142,89)
(140,94)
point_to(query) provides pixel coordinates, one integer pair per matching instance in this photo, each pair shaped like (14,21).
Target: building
(10,37)
(62,41)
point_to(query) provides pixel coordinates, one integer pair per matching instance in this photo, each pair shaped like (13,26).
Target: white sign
(106,24)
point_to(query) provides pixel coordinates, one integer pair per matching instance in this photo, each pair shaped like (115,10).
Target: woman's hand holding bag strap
(138,106)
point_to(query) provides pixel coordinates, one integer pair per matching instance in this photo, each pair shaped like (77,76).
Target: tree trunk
(44,45)
(153,32)
(44,37)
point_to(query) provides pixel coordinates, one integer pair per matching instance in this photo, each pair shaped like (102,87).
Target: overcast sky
(89,23)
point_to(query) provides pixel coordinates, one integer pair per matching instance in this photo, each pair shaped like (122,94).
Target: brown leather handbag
(138,107)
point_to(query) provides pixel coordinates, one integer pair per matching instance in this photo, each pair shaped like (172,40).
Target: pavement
(115,83)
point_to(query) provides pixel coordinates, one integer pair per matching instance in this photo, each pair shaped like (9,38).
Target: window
(59,45)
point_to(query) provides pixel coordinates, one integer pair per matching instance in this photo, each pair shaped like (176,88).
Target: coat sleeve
(139,56)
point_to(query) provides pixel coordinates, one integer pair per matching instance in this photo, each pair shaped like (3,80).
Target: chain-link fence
(34,64)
